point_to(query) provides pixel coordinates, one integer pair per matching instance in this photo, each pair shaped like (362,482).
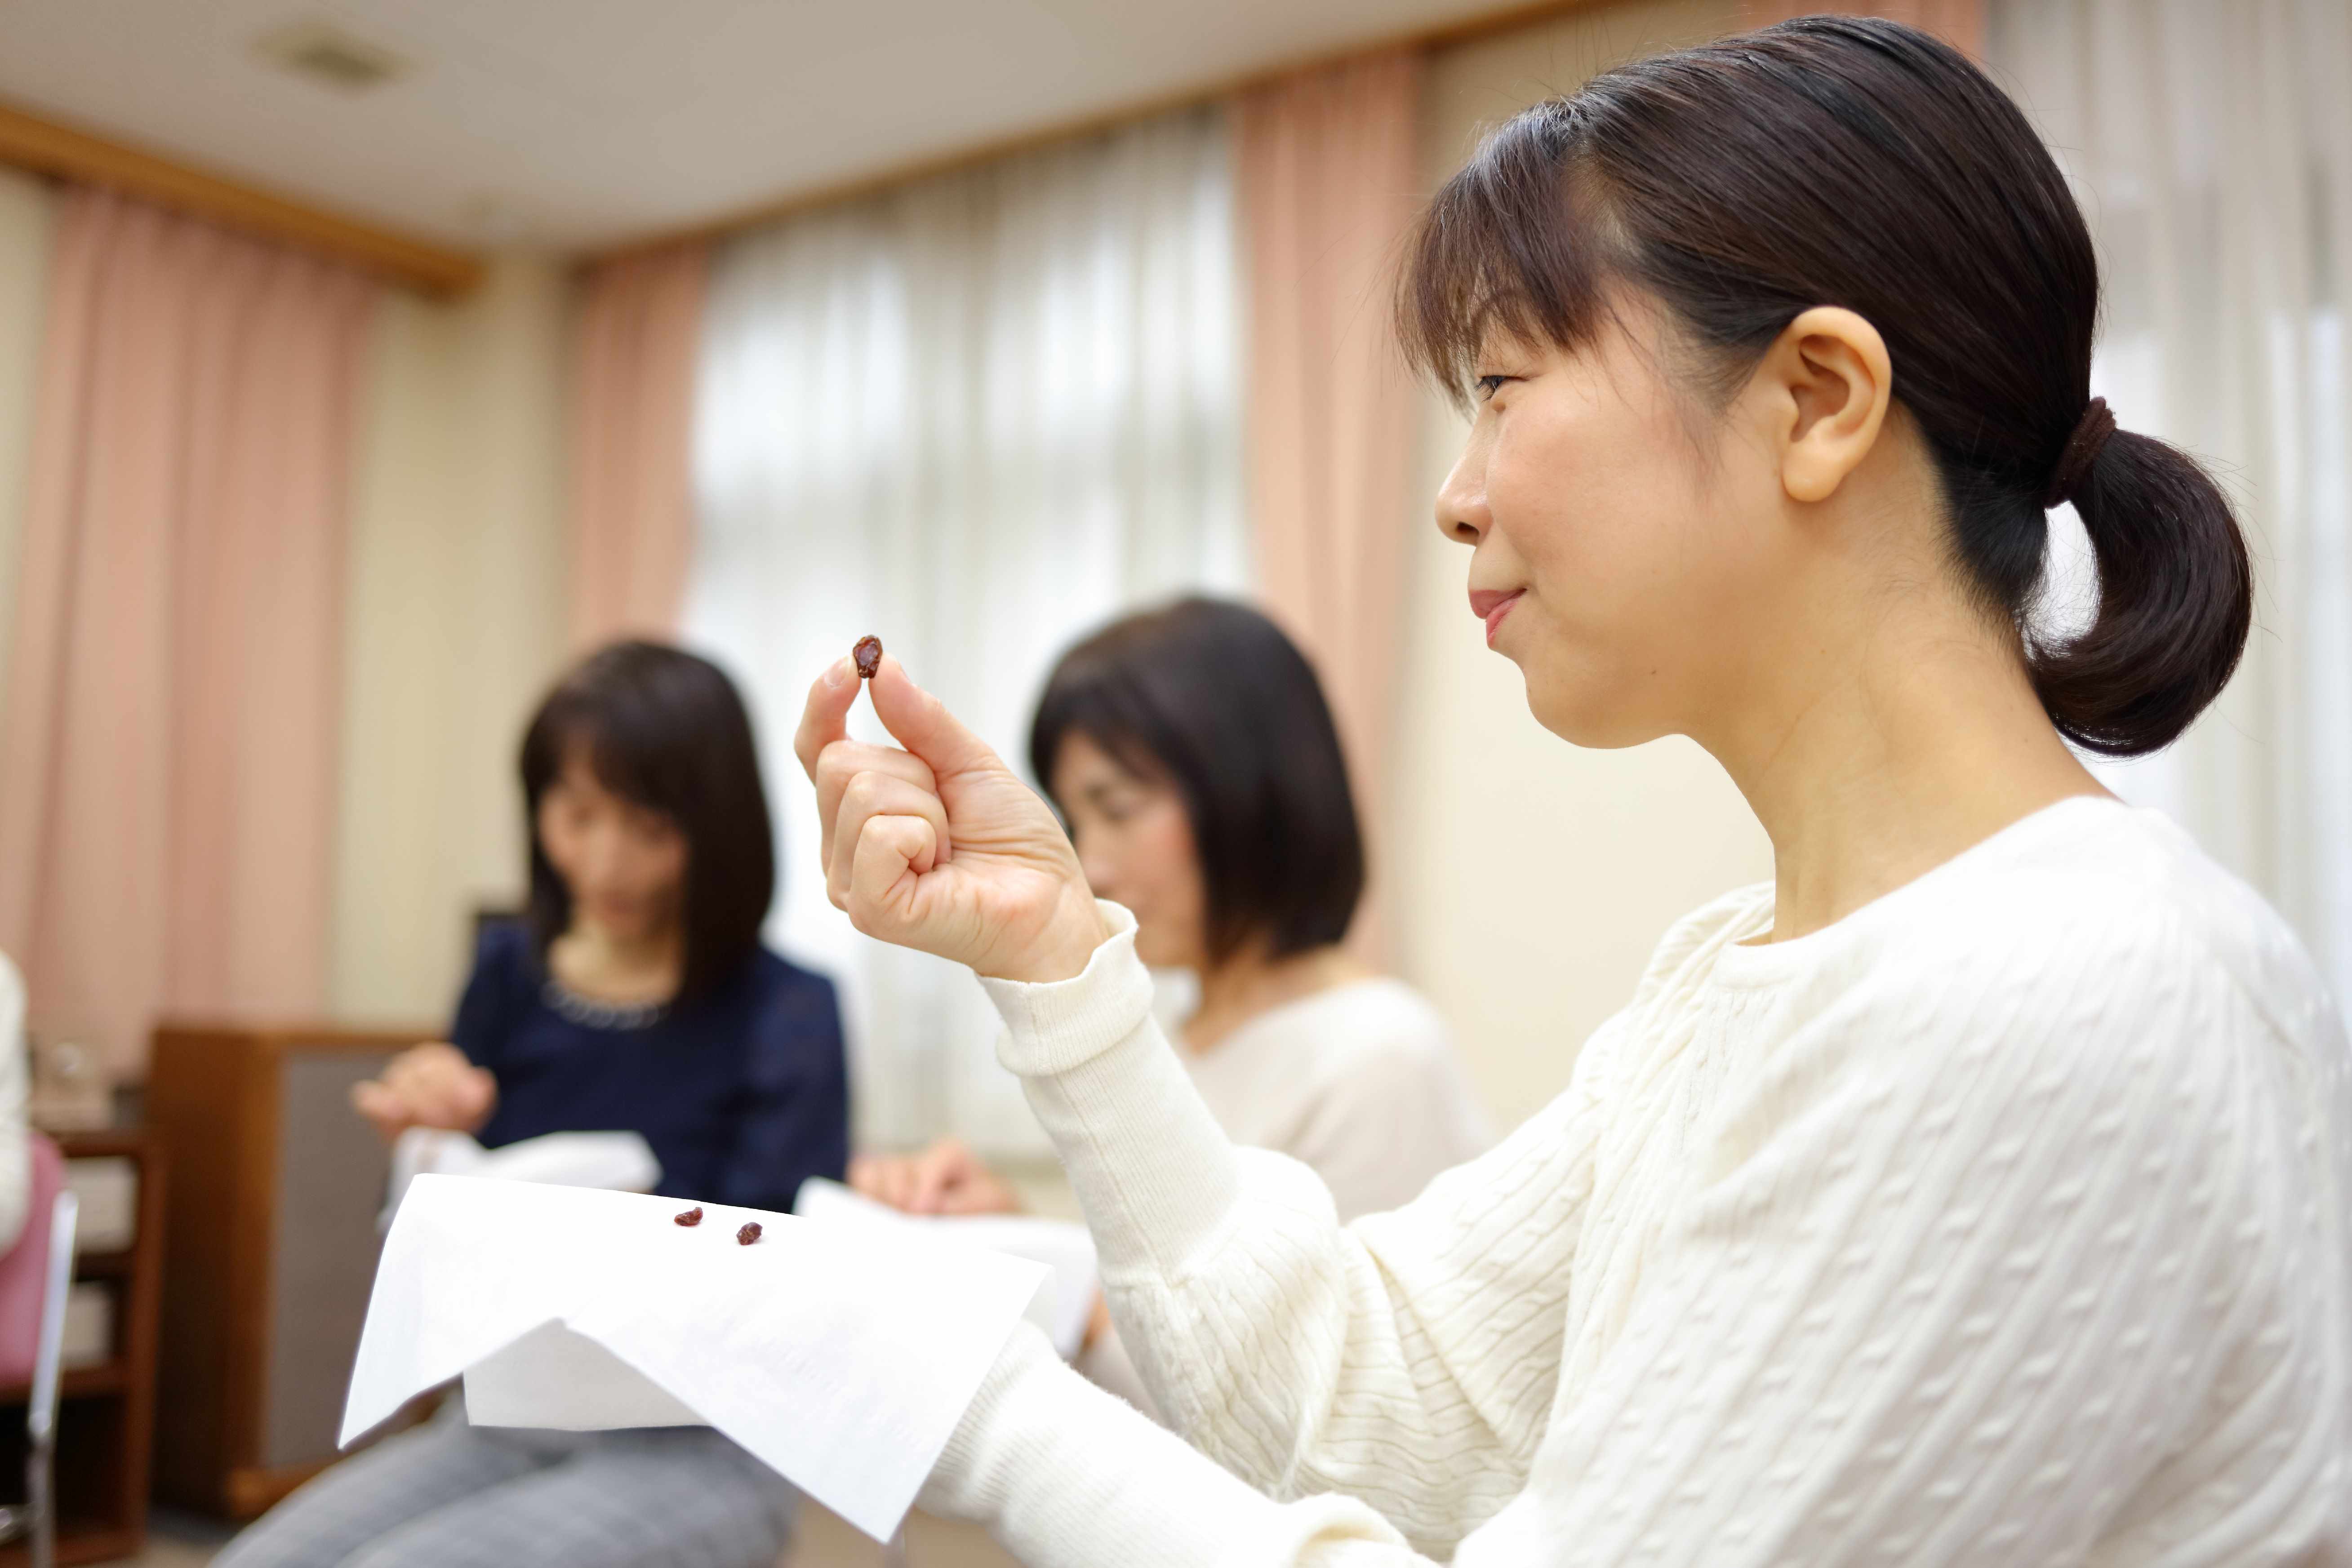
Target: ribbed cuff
(1056,1026)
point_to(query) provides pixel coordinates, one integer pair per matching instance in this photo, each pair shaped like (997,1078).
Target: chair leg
(48,1367)
(41,1505)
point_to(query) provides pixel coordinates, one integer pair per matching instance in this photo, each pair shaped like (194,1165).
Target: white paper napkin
(842,1356)
(622,1162)
(1065,1248)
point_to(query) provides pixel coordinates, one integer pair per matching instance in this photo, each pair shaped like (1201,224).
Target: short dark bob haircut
(666,730)
(1211,698)
(1854,162)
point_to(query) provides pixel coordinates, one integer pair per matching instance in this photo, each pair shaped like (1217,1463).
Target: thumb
(825,718)
(921,723)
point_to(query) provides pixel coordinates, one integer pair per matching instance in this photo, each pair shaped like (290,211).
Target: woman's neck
(1248,983)
(1886,754)
(608,966)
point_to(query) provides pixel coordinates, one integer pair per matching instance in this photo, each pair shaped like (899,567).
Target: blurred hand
(1098,1325)
(939,848)
(431,1085)
(946,1178)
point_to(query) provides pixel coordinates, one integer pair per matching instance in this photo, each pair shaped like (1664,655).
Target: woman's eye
(1489,384)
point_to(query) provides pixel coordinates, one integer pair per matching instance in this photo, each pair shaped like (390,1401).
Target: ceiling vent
(328,56)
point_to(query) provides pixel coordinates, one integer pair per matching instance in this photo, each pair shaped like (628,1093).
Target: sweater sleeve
(1408,1360)
(1068,1476)
(1939,1278)
(1401,1113)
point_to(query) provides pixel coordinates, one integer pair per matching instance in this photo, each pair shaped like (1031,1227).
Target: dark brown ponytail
(1849,161)
(2176,598)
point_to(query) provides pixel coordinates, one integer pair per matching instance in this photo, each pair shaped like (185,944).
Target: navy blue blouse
(743,1092)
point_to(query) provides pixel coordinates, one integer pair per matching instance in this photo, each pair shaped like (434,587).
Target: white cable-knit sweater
(1359,1082)
(2001,1223)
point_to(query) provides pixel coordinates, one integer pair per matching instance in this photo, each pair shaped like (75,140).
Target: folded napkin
(1065,1248)
(842,1356)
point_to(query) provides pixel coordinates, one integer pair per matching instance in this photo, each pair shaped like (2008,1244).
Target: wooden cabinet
(271,1251)
(106,1411)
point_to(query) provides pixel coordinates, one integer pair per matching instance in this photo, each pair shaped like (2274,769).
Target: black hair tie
(2082,451)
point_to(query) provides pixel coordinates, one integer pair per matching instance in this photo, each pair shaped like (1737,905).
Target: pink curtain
(1329,185)
(631,519)
(168,737)
(1961,23)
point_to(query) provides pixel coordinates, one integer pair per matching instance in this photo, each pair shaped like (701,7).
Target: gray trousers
(447,1495)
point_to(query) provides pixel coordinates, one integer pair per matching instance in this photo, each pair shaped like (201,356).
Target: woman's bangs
(626,760)
(1511,245)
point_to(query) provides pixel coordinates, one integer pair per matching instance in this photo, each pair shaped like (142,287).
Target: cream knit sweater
(2002,1221)
(1359,1082)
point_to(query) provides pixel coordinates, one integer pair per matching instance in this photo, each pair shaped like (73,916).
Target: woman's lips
(1491,606)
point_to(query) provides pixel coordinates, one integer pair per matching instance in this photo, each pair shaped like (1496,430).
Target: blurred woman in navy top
(634,997)
(741,1092)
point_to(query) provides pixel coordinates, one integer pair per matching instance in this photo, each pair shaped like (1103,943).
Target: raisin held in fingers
(868,655)
(748,1234)
(691,1217)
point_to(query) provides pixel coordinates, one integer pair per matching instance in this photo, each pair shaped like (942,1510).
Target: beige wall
(455,626)
(1530,877)
(28,213)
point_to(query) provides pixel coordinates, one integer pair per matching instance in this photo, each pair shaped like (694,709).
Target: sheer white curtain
(2211,145)
(975,416)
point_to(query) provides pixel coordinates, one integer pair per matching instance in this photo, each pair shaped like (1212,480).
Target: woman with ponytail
(1973,1193)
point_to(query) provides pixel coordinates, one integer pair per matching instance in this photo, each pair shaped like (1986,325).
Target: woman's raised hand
(938,847)
(431,1085)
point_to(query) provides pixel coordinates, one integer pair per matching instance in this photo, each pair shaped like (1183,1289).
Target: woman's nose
(602,855)
(1462,514)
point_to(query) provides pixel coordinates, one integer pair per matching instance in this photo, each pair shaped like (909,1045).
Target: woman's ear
(1827,382)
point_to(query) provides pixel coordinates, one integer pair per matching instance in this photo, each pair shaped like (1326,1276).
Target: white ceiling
(578,123)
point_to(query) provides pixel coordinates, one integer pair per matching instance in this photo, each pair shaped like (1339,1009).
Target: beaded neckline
(590,1013)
